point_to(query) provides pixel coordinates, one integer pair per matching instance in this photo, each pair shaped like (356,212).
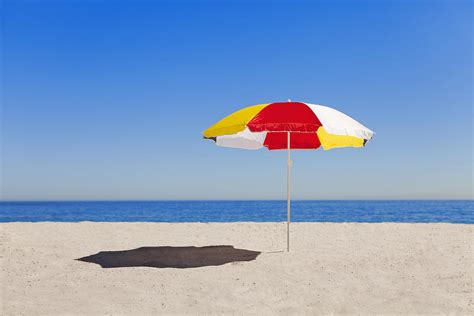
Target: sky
(107,100)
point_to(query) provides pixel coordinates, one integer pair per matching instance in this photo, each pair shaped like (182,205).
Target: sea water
(407,211)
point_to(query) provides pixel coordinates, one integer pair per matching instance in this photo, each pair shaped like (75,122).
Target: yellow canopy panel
(329,141)
(234,123)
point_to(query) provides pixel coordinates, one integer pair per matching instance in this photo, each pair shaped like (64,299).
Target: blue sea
(408,211)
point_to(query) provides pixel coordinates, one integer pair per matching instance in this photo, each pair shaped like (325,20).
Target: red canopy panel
(285,116)
(279,140)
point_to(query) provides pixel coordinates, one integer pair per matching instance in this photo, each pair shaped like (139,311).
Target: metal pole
(288,196)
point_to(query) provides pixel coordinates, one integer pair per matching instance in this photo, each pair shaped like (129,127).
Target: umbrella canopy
(267,125)
(288,125)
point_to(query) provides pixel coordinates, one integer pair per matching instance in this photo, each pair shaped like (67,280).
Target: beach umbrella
(288,125)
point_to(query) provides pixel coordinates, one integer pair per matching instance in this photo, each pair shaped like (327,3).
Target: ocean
(371,211)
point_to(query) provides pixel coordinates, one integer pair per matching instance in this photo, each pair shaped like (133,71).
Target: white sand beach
(332,268)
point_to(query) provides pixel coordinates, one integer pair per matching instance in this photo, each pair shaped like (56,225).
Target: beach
(341,268)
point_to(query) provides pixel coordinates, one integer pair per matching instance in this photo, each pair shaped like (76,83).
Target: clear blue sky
(108,99)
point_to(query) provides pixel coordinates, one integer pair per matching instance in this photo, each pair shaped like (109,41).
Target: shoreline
(237,222)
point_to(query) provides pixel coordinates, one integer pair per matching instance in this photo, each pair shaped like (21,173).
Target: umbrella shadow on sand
(171,257)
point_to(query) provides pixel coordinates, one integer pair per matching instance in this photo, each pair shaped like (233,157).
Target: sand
(333,268)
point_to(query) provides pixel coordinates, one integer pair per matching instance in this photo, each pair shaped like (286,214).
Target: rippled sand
(139,268)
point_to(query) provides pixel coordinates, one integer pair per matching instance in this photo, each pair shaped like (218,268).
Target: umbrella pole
(288,196)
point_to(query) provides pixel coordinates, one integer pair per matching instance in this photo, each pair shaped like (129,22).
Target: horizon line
(235,200)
